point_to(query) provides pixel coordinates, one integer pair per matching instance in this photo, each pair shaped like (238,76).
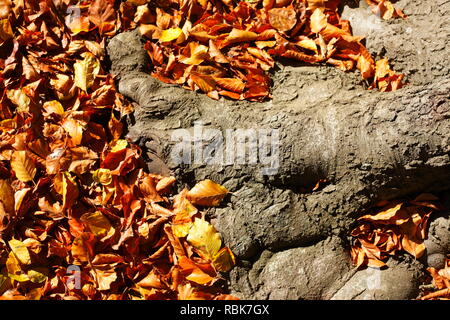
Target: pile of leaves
(80,218)
(394,226)
(440,285)
(227,48)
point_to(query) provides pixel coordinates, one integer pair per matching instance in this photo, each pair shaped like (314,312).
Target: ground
(370,146)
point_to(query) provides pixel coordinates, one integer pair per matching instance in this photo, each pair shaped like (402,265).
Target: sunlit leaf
(170,34)
(204,237)
(207,193)
(102,176)
(23,166)
(98,224)
(20,250)
(86,70)
(283,19)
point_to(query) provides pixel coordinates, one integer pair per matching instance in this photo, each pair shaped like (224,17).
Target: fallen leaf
(23,166)
(204,237)
(283,19)
(86,70)
(207,193)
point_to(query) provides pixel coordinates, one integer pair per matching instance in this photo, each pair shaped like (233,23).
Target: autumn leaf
(102,176)
(170,34)
(23,166)
(103,15)
(5,30)
(86,70)
(20,99)
(197,54)
(184,211)
(98,224)
(204,237)
(237,35)
(207,193)
(20,251)
(193,272)
(7,195)
(283,19)
(69,190)
(318,21)
(232,84)
(205,83)
(224,260)
(53,107)
(36,276)
(75,130)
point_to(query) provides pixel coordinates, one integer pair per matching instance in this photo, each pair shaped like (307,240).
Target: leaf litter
(74,193)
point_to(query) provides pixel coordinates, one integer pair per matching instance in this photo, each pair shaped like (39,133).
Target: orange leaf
(283,19)
(103,15)
(232,84)
(207,193)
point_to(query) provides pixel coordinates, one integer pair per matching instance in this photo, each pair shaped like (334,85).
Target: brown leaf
(283,19)
(103,15)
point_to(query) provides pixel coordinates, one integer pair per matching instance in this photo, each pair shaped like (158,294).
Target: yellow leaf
(7,195)
(53,106)
(20,99)
(207,193)
(224,260)
(5,30)
(98,224)
(86,70)
(118,145)
(80,250)
(12,264)
(36,276)
(308,44)
(170,34)
(102,176)
(19,277)
(20,250)
(19,197)
(204,237)
(23,166)
(69,190)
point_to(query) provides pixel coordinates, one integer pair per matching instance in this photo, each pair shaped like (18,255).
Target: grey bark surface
(370,145)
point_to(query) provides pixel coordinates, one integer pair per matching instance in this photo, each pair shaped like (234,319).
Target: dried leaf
(23,166)
(98,224)
(170,34)
(283,19)
(204,237)
(207,193)
(86,70)
(20,251)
